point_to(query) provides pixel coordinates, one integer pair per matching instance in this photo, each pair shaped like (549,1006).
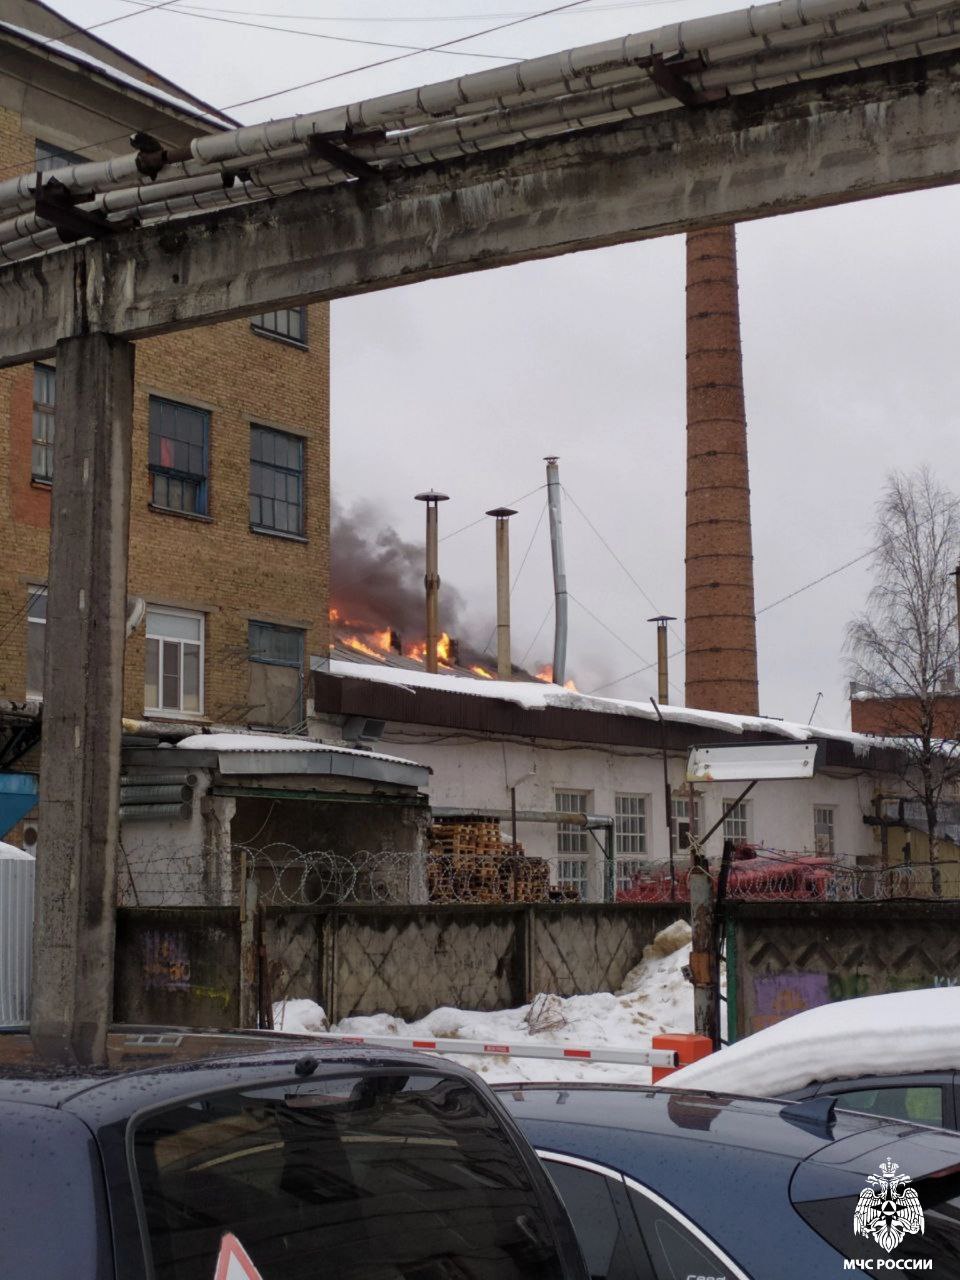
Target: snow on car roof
(872,1035)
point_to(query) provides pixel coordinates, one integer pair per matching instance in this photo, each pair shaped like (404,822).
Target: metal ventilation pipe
(504,663)
(431,580)
(663,673)
(559,572)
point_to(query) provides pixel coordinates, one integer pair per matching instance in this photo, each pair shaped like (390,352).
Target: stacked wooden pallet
(469,861)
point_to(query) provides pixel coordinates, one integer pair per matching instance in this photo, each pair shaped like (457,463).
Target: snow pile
(655,997)
(872,1035)
(10,853)
(273,742)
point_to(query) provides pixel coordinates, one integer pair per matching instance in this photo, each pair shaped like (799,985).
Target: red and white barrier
(664,1060)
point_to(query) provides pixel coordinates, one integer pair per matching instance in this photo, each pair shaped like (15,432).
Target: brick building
(229,514)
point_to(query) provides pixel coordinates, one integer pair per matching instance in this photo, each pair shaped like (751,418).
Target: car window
(677,1248)
(588,1197)
(923,1104)
(374,1177)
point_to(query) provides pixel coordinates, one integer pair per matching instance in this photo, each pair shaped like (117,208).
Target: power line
(601,623)
(536,634)
(107,22)
(394,19)
(480,519)
(653,605)
(316,35)
(513,585)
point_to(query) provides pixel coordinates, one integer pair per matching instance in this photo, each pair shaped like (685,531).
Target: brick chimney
(721,635)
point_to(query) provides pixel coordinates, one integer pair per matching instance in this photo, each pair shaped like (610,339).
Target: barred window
(823,829)
(630,823)
(571,839)
(290,323)
(737,825)
(44,408)
(572,874)
(179,444)
(276,481)
(627,869)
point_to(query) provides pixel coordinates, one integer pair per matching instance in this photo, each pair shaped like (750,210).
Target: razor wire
(288,876)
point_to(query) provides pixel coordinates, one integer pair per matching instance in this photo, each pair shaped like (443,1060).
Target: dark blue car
(306,1162)
(672,1185)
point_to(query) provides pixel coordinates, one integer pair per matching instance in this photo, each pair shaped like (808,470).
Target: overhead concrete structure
(768,110)
(721,627)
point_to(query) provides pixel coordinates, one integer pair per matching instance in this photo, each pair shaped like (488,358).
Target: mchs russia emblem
(888,1209)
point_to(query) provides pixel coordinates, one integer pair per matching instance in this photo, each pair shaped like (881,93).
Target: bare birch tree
(903,647)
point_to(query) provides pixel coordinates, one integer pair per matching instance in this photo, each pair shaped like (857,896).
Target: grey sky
(849,336)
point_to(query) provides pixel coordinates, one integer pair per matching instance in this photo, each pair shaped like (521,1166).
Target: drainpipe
(663,675)
(504,664)
(559,572)
(431,579)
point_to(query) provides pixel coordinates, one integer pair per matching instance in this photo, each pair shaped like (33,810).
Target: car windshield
(374,1177)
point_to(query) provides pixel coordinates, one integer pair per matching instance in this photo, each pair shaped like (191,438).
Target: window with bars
(571,839)
(173,677)
(572,874)
(44,409)
(36,639)
(627,869)
(737,825)
(276,481)
(47,156)
(681,828)
(179,445)
(289,323)
(823,816)
(630,823)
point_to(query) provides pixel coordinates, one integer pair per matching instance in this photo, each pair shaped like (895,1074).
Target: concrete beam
(83,700)
(867,133)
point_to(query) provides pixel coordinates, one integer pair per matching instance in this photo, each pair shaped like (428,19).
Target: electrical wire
(316,35)
(513,585)
(107,22)
(481,519)
(536,634)
(411,18)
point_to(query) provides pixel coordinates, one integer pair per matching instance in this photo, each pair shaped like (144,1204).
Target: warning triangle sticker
(233,1261)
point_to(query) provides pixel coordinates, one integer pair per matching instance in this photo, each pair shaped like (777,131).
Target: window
(572,839)
(50,157)
(44,403)
(572,875)
(179,436)
(290,323)
(681,827)
(919,1104)
(678,1249)
(276,481)
(592,1199)
(36,639)
(174,667)
(373,1177)
(736,825)
(630,823)
(823,829)
(627,869)
(276,675)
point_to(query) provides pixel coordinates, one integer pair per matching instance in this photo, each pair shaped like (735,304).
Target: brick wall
(215,565)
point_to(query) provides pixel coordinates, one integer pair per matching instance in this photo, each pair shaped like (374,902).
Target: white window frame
(738,826)
(572,841)
(831,823)
(575,870)
(676,818)
(176,712)
(630,823)
(33,592)
(627,868)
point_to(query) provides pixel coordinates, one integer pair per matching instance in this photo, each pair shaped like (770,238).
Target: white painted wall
(475,773)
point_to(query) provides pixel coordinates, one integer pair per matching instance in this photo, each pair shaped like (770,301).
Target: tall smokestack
(431,580)
(721,639)
(504,664)
(663,620)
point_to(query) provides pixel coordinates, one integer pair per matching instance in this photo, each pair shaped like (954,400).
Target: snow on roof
(873,1035)
(114,73)
(274,742)
(535,695)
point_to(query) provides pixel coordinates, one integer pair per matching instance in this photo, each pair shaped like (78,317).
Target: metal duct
(559,572)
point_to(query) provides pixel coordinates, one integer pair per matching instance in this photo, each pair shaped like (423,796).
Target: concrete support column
(721,639)
(83,699)
(221,878)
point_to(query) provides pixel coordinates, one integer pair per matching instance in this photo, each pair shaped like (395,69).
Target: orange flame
(545,673)
(443,648)
(334,614)
(569,685)
(482,673)
(354,642)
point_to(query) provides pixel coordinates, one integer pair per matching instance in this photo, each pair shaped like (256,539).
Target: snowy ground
(655,997)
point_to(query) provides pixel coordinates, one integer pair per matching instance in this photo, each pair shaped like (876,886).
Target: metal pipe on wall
(431,580)
(559,572)
(504,662)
